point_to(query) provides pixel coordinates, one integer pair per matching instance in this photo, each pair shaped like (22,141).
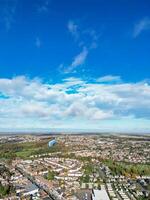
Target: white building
(100,195)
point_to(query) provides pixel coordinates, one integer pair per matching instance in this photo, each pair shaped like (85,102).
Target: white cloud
(82,111)
(80,58)
(34,103)
(142,25)
(109,78)
(77,61)
(86,40)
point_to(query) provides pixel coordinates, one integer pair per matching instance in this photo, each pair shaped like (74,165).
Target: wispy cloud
(43,6)
(78,60)
(142,25)
(109,79)
(38,42)
(73,29)
(7,12)
(83,36)
(92,38)
(86,39)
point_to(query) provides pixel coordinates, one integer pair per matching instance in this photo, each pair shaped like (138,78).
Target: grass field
(24,150)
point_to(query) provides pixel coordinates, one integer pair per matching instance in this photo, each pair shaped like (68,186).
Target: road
(52,194)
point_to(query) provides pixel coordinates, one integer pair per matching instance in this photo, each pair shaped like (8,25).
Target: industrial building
(100,194)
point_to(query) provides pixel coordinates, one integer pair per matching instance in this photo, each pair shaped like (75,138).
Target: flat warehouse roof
(100,195)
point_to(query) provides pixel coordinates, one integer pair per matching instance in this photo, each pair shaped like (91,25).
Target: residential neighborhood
(88,167)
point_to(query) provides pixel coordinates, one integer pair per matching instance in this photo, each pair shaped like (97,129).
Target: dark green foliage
(85,179)
(5,190)
(127,169)
(51,175)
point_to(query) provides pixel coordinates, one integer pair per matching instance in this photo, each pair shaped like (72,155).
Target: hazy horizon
(71,131)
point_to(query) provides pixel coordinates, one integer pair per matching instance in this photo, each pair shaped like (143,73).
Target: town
(75,167)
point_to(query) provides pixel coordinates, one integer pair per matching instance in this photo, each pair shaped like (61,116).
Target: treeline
(51,175)
(126,169)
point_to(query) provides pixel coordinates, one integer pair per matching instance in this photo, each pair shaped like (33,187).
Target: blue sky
(75,64)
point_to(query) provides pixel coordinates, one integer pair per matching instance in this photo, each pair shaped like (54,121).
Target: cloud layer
(31,103)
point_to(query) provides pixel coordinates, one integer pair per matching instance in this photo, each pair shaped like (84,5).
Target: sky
(81,64)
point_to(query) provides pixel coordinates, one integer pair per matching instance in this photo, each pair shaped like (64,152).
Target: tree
(51,175)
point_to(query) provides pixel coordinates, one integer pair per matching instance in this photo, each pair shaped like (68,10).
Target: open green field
(24,150)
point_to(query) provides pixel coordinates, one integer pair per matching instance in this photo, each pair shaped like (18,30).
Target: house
(31,190)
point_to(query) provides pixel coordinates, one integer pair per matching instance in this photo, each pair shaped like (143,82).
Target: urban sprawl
(75,167)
